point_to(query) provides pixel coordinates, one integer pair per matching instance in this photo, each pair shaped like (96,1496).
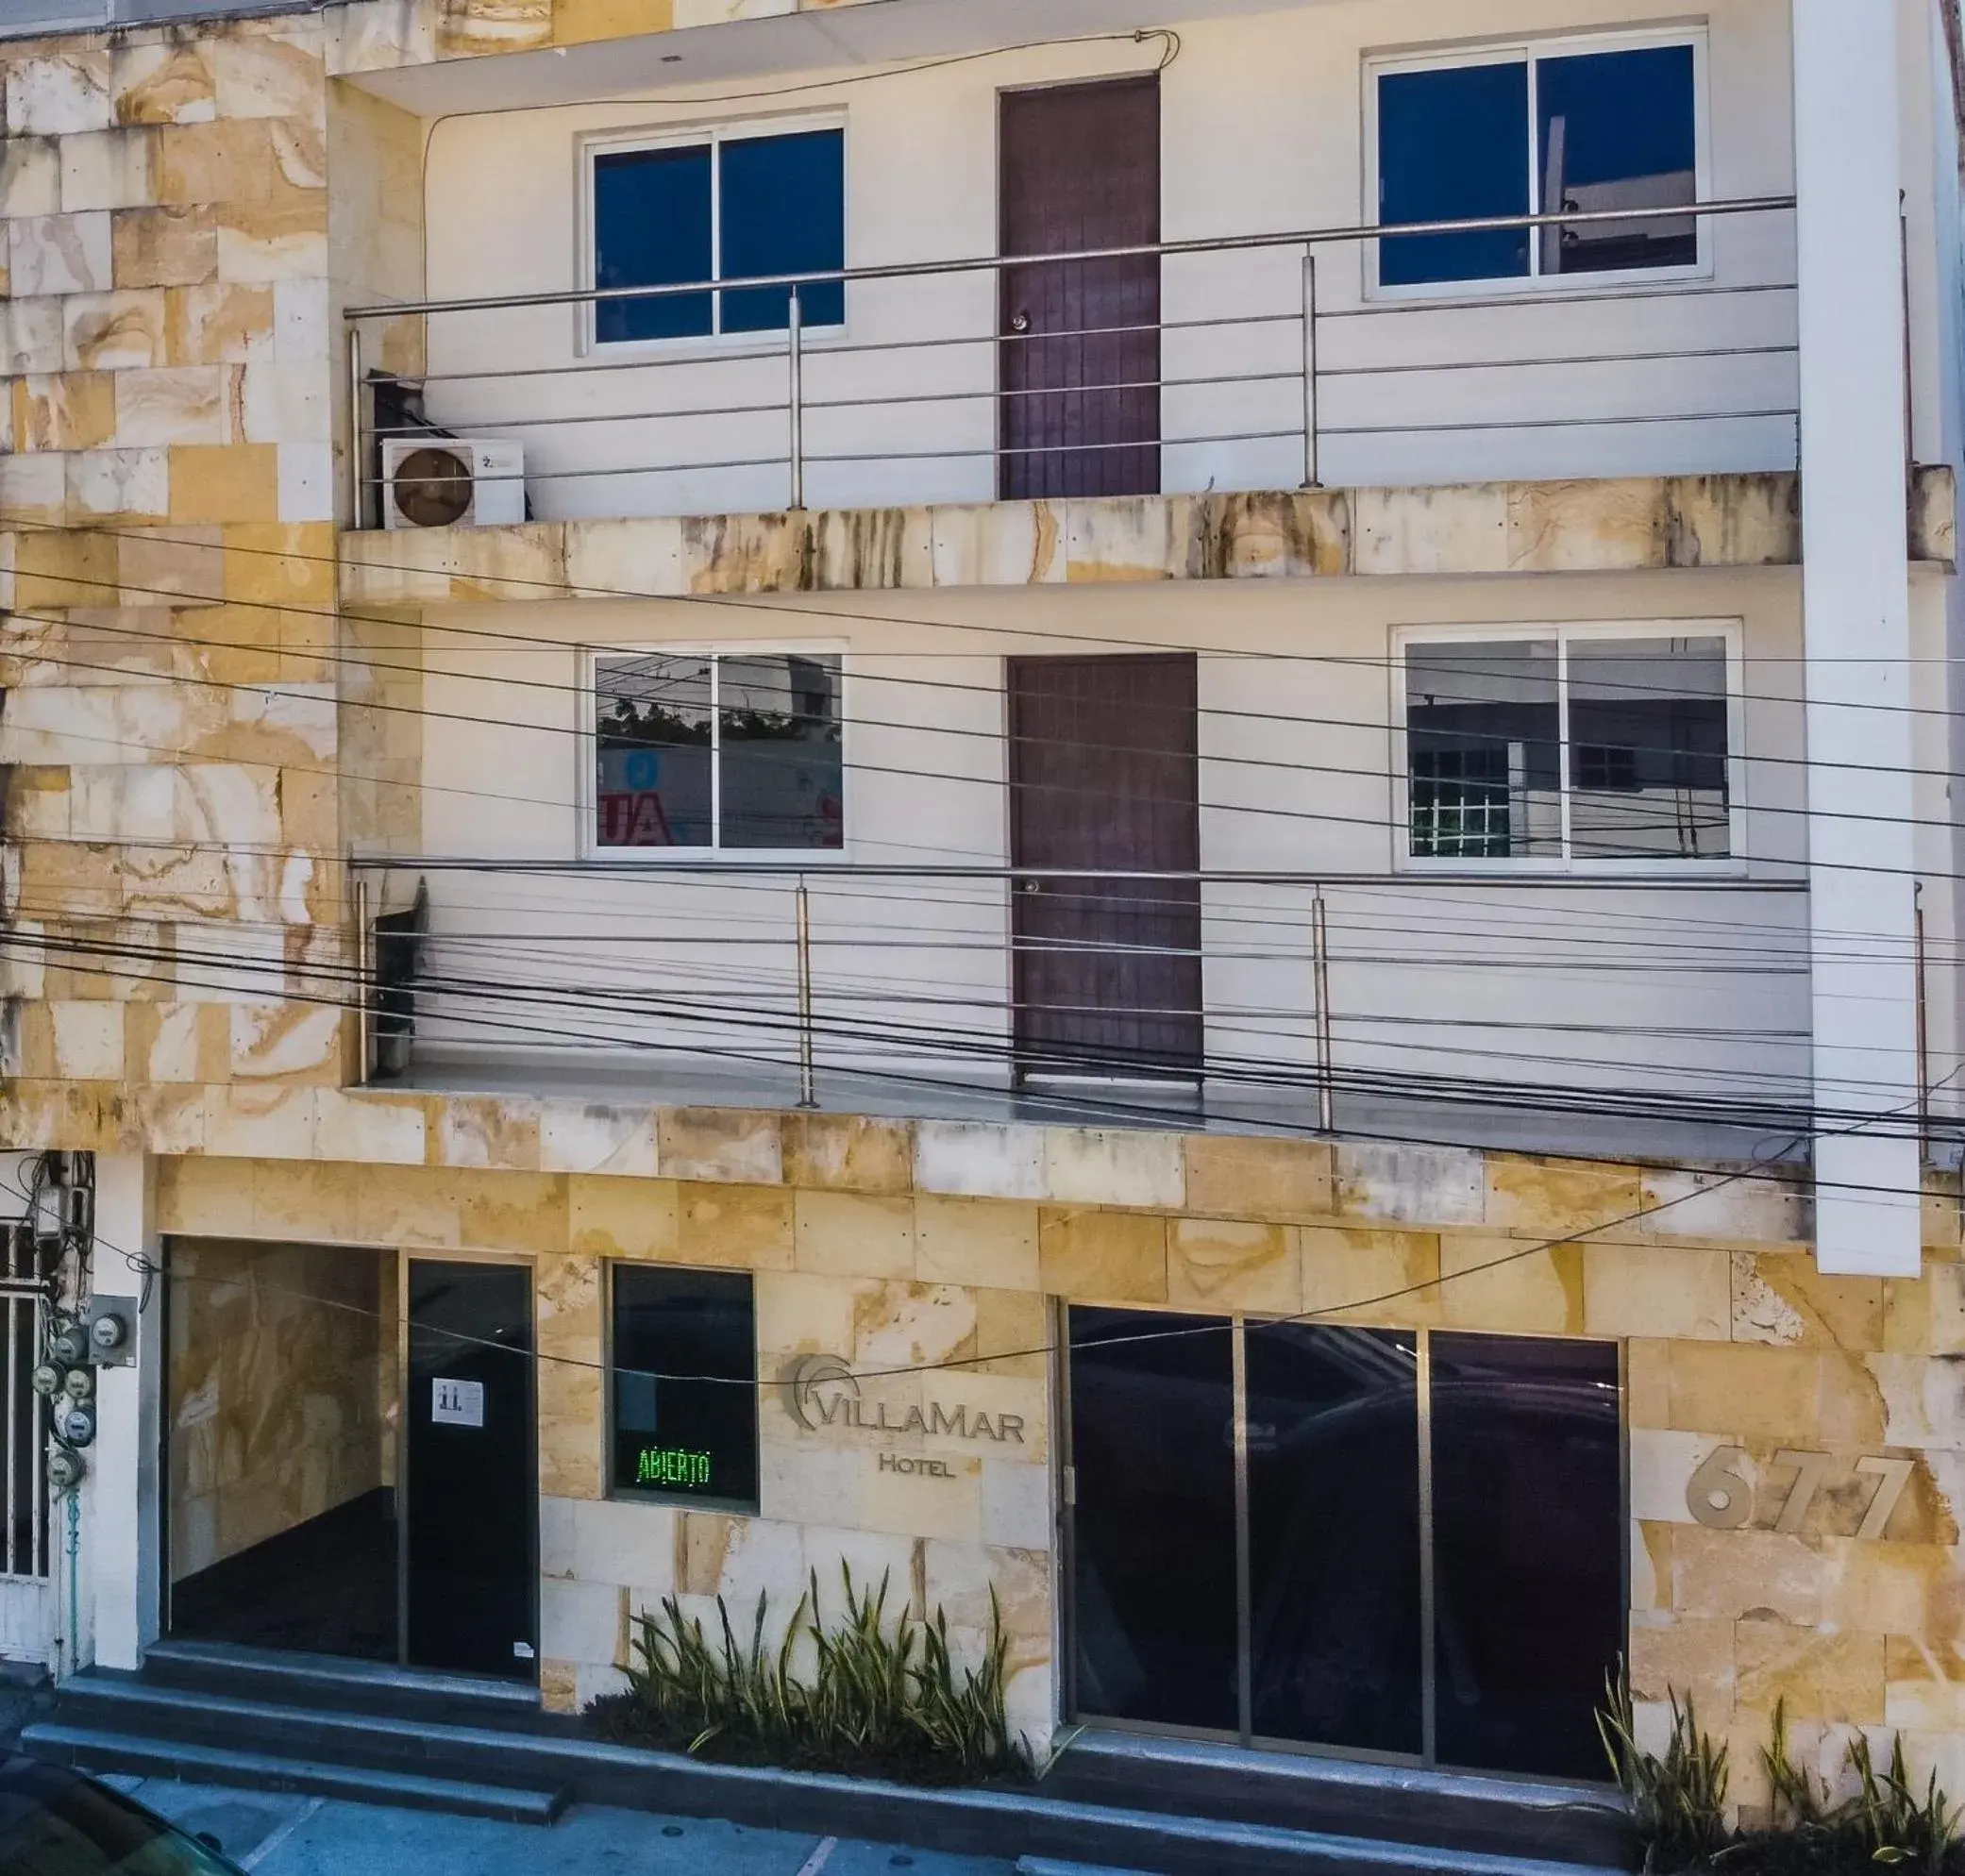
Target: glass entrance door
(1397,1543)
(471,1543)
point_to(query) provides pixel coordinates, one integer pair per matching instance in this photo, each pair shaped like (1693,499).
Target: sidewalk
(272,1835)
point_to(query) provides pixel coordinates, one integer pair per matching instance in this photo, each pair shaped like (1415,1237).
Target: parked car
(58,1823)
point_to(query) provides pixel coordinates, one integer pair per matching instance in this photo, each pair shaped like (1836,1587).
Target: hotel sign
(821,1392)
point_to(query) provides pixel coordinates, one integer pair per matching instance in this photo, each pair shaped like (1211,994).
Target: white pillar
(1857,617)
(120,1561)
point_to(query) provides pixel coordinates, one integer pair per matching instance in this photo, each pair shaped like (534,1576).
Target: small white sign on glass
(457,1403)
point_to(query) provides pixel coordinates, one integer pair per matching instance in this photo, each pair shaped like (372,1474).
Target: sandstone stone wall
(166,550)
(891,1242)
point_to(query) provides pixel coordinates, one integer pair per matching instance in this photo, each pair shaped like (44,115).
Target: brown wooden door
(1104,774)
(1081,339)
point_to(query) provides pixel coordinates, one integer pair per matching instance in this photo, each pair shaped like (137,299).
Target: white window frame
(1564,633)
(693,136)
(1535,283)
(587,791)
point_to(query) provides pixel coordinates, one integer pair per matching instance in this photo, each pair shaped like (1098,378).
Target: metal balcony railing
(1261,363)
(1314,998)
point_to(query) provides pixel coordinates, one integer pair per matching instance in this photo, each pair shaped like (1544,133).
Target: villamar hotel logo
(821,1391)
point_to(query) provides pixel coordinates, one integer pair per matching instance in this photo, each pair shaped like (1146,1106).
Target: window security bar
(1138,425)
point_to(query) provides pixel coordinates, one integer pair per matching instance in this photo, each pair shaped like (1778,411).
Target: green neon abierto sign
(671,1466)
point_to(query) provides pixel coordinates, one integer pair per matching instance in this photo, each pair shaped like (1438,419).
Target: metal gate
(26,1598)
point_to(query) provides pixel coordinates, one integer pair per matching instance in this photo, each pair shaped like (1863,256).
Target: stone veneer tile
(975,1241)
(733,1143)
(1755,1208)
(367,1127)
(1734,1574)
(1502,1286)
(59,254)
(301,1202)
(1086,1165)
(848,1152)
(1248,1176)
(1461,529)
(1780,1297)
(163,247)
(31,177)
(205,1196)
(1558,1197)
(615,1216)
(740,1228)
(58,93)
(1559,527)
(1672,1654)
(1409,1186)
(572,1349)
(581,21)
(1818,1675)
(415,1207)
(1390,1278)
(170,82)
(1647,1290)
(850,1235)
(271,76)
(121,331)
(590,1137)
(1111,1257)
(1220,1265)
(259,1121)
(514,1211)
(1745,1391)
(495,1132)
(979,1159)
(108,169)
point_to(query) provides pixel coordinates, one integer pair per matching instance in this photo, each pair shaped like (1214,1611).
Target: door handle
(1032,886)
(1021,323)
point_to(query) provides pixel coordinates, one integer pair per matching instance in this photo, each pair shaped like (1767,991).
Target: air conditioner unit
(452,482)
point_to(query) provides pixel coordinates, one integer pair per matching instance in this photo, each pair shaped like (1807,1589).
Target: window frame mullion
(715,661)
(1534,162)
(1562,739)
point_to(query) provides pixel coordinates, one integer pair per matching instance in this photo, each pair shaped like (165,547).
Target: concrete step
(93,1751)
(104,1701)
(1349,1797)
(334,1683)
(133,1722)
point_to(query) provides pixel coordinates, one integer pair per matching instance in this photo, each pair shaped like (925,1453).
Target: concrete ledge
(1636,525)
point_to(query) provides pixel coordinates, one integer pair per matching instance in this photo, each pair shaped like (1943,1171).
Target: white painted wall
(1263,132)
(1702,985)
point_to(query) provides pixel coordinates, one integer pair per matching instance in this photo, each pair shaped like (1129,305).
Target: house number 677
(1720,1494)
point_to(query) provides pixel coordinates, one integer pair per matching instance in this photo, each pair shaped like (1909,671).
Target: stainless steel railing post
(1320,968)
(807,1099)
(1310,452)
(358,455)
(795,353)
(364,989)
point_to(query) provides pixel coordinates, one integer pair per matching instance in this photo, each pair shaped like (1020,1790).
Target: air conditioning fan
(452,482)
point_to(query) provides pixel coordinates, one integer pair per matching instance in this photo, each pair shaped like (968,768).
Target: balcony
(1249,363)
(1589,1015)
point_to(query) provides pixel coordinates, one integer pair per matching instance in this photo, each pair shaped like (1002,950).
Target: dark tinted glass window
(684,1385)
(1484,738)
(1452,146)
(744,208)
(653,752)
(1334,1536)
(1648,775)
(1153,1560)
(1589,132)
(780,754)
(1528,1563)
(1618,131)
(652,228)
(784,212)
